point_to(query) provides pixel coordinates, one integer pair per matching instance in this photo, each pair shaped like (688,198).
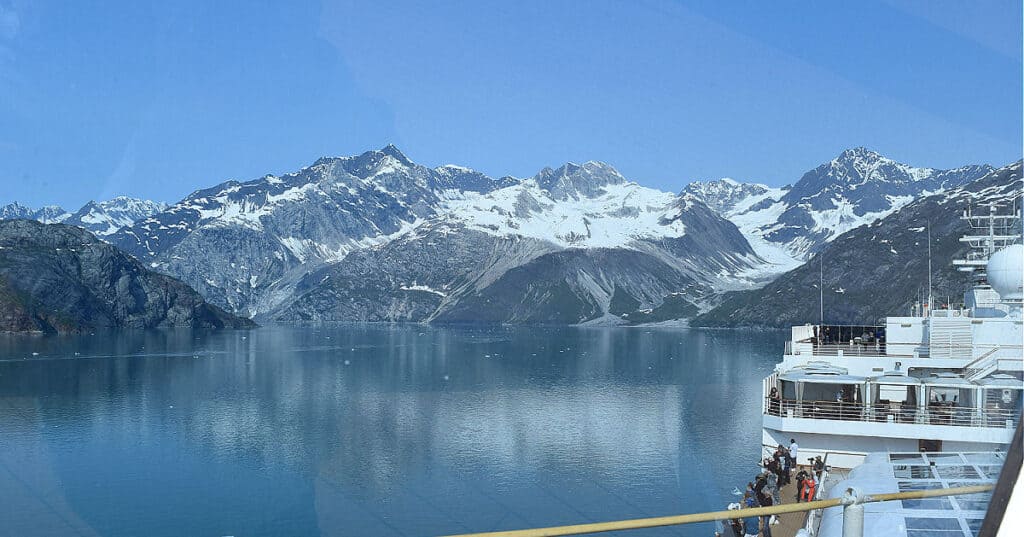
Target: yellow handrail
(639,523)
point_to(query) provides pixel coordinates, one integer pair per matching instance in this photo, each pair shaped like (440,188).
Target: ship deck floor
(790,523)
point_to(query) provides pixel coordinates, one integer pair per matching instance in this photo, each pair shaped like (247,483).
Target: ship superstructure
(944,378)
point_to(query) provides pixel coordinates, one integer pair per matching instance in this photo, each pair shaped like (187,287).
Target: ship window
(971,502)
(905,486)
(941,504)
(789,390)
(848,393)
(909,457)
(957,472)
(984,458)
(945,458)
(991,471)
(929,527)
(905,471)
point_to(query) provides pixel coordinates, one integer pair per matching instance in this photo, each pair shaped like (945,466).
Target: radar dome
(1006,272)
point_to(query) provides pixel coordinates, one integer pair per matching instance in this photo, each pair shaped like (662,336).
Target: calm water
(374,430)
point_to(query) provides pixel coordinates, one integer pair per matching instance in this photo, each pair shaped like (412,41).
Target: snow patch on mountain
(753,208)
(728,196)
(614,216)
(104,218)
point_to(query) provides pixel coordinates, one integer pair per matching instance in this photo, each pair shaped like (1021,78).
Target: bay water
(401,430)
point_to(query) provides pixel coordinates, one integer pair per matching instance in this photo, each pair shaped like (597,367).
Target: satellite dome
(1006,272)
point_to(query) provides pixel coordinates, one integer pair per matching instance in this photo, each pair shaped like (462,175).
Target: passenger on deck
(732,527)
(782,464)
(807,486)
(774,402)
(801,477)
(793,452)
(766,527)
(771,487)
(752,499)
(751,524)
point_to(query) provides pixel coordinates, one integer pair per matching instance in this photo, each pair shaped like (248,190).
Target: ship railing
(875,349)
(933,414)
(842,349)
(852,503)
(814,517)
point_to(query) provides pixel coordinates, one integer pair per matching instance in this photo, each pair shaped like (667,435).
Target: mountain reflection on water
(374,429)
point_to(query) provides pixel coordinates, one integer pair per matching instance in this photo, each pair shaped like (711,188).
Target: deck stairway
(999,359)
(982,366)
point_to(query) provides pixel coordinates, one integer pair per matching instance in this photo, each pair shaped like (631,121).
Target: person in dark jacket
(731,527)
(751,524)
(801,476)
(819,465)
(766,528)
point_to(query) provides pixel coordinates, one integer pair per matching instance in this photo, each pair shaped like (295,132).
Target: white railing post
(853,513)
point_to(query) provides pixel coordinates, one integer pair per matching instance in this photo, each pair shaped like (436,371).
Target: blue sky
(158,99)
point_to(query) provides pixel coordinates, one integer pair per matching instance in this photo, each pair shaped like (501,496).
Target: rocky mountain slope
(786,226)
(60,278)
(379,237)
(101,218)
(878,269)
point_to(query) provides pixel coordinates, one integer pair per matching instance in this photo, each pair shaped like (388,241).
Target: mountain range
(101,218)
(876,269)
(377,237)
(788,225)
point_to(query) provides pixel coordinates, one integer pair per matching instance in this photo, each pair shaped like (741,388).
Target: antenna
(821,290)
(930,305)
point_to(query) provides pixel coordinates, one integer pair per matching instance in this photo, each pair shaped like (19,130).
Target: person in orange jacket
(807,493)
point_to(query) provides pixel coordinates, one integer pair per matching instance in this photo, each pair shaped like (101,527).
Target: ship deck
(790,523)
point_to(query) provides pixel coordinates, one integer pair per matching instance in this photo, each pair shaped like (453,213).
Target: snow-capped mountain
(376,236)
(879,269)
(471,266)
(727,196)
(101,218)
(588,205)
(786,226)
(106,217)
(51,214)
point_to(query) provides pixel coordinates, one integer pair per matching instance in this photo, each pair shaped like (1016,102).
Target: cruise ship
(939,379)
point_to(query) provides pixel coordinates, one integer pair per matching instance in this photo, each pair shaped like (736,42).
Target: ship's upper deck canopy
(820,377)
(1001,380)
(948,380)
(895,378)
